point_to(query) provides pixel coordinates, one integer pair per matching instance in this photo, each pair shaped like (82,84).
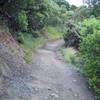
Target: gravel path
(47,78)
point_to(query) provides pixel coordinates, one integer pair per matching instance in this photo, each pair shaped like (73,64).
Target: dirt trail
(47,78)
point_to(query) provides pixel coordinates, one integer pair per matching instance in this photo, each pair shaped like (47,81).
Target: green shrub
(35,34)
(90,52)
(30,44)
(89,26)
(69,54)
(20,37)
(23,21)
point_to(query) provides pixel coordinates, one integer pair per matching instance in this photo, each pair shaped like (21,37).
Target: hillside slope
(11,63)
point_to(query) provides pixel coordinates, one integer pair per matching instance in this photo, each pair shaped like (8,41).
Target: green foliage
(53,32)
(30,44)
(89,26)
(81,13)
(68,15)
(90,52)
(23,21)
(69,54)
(94,5)
(20,37)
(53,12)
(88,35)
(33,14)
(73,8)
(63,4)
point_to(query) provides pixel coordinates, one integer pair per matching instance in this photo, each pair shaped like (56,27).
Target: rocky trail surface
(47,78)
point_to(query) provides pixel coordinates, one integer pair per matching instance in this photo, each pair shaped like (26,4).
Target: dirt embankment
(7,40)
(13,68)
(9,49)
(11,58)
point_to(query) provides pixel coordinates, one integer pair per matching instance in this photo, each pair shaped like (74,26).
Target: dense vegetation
(34,20)
(83,33)
(33,15)
(30,21)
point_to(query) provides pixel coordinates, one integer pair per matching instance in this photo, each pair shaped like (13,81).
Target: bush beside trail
(86,38)
(90,52)
(72,35)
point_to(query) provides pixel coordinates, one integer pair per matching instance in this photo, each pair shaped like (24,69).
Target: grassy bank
(69,55)
(54,32)
(30,45)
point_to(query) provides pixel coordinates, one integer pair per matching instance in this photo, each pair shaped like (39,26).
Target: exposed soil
(47,78)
